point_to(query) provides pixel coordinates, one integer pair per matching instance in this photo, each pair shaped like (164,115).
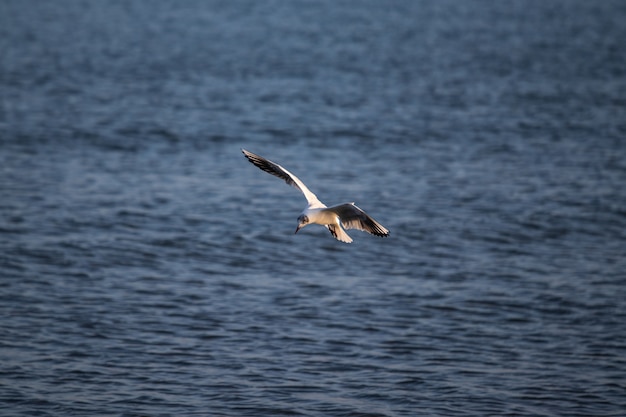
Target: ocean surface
(147,269)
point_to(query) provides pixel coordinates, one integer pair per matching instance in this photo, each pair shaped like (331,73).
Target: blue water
(147,269)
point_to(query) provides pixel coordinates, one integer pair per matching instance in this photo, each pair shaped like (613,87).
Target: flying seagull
(335,218)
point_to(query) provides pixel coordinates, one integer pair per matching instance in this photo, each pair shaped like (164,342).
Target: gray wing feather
(353,217)
(280,172)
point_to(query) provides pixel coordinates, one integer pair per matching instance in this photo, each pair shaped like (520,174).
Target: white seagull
(335,218)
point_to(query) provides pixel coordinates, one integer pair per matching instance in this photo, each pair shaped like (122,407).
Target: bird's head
(302,221)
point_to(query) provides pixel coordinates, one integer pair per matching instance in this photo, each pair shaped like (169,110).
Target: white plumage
(335,218)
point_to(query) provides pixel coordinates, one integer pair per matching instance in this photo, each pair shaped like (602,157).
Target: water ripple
(147,269)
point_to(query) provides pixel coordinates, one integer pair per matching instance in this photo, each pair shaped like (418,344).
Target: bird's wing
(352,217)
(275,169)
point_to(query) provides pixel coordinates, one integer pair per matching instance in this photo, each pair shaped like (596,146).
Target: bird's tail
(338,233)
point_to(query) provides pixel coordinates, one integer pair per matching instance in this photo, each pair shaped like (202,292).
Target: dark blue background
(148,269)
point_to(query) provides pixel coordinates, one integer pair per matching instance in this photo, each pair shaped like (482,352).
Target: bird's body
(336,218)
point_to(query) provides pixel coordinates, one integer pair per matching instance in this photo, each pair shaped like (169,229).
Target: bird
(336,218)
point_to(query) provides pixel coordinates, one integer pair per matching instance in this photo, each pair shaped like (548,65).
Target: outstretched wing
(352,217)
(280,172)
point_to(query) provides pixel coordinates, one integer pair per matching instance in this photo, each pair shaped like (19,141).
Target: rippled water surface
(147,269)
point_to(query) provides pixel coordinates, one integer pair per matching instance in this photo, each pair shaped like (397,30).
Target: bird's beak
(298,228)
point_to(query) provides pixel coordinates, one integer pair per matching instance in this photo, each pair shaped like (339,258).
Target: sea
(148,269)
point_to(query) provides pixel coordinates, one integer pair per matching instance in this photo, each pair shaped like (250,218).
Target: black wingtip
(252,157)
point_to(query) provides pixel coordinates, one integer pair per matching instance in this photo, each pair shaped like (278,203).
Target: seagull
(336,218)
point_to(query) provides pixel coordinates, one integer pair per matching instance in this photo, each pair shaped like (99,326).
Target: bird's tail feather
(338,233)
